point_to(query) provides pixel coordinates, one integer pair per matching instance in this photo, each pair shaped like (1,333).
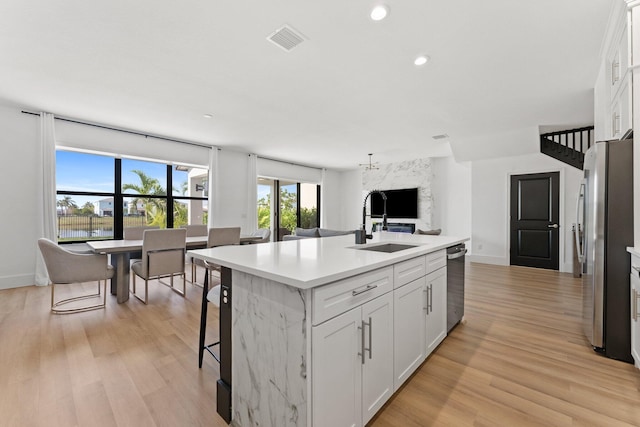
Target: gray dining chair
(196,230)
(163,254)
(66,267)
(135,233)
(217,236)
(264,234)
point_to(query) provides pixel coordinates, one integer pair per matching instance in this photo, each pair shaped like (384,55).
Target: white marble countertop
(307,263)
(633,250)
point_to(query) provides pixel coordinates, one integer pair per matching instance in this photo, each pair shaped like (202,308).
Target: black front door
(535,228)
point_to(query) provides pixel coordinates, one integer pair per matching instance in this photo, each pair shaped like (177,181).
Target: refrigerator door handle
(579,207)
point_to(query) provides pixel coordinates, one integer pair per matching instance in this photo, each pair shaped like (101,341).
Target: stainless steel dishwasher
(455,285)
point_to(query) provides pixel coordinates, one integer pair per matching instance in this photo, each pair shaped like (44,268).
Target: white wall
(18,216)
(451,193)
(350,211)
(490,205)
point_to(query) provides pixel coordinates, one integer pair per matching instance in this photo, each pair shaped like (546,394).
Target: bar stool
(217,237)
(208,296)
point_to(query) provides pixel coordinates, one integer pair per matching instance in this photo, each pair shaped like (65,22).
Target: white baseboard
(17,281)
(496,260)
(484,259)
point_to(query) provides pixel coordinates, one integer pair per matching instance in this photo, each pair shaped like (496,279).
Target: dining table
(120,252)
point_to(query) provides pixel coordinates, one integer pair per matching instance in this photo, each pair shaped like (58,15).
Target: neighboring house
(104,207)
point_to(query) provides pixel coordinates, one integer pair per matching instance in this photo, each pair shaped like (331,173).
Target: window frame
(119,196)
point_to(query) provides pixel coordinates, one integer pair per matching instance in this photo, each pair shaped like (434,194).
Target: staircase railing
(568,146)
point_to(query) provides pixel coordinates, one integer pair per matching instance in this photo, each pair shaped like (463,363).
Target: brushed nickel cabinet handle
(370,325)
(361,353)
(367,289)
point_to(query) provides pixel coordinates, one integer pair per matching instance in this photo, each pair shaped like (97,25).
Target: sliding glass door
(285,205)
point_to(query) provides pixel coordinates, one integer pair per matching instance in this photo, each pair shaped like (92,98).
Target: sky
(93,173)
(89,172)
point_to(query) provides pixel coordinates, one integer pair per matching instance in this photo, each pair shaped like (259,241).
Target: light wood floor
(520,359)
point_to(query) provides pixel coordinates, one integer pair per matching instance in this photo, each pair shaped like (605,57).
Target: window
(296,205)
(97,196)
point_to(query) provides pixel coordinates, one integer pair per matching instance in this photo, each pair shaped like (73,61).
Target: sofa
(309,233)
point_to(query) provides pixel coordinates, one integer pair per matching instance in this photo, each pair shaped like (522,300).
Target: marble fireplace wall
(408,174)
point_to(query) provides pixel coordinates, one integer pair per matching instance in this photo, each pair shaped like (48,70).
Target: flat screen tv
(400,203)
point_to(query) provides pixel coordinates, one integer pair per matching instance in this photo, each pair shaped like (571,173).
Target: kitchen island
(319,332)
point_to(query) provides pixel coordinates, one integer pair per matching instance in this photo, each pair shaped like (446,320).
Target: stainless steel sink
(386,247)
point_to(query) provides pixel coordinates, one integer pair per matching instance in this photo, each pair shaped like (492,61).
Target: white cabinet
(370,333)
(336,370)
(436,309)
(420,316)
(613,88)
(353,364)
(635,315)
(408,329)
(377,363)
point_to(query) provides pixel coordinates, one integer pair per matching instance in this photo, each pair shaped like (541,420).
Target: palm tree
(67,204)
(154,209)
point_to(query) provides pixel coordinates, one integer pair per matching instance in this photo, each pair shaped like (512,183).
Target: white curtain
(323,210)
(252,193)
(214,194)
(46,191)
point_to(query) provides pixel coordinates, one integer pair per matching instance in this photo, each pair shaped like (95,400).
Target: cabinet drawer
(336,298)
(408,271)
(436,260)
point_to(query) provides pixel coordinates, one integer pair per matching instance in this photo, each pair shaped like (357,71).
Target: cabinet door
(635,319)
(436,312)
(408,325)
(377,369)
(337,371)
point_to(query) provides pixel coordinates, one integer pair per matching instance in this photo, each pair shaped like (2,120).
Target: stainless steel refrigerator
(605,214)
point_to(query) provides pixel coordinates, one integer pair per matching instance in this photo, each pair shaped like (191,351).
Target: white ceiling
(498,69)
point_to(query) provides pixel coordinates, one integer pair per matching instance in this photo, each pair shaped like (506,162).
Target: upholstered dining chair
(192,231)
(218,236)
(196,229)
(264,234)
(135,233)
(66,267)
(163,253)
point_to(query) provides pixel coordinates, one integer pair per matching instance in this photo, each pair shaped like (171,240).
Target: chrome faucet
(361,234)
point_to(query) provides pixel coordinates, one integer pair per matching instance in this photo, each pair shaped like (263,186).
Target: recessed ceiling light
(421,60)
(207,116)
(379,12)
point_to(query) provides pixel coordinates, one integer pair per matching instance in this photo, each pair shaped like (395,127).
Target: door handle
(553,226)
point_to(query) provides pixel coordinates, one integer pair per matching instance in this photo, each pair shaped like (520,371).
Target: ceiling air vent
(286,38)
(442,136)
